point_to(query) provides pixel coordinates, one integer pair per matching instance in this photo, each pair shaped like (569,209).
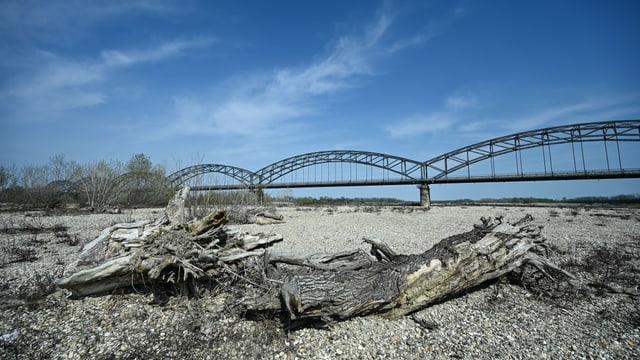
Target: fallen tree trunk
(323,286)
(396,285)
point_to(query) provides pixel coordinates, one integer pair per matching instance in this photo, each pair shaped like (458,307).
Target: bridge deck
(589,175)
(563,153)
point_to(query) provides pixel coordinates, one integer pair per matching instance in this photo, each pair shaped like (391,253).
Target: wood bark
(393,285)
(303,287)
(166,250)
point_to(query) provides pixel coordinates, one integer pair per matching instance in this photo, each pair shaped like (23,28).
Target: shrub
(23,254)
(39,285)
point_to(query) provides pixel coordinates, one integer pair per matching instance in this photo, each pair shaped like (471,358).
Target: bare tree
(99,183)
(33,176)
(63,170)
(9,188)
(8,177)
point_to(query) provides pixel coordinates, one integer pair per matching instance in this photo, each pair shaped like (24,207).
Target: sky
(248,83)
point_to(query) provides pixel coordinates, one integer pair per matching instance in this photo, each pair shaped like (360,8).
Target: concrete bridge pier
(425,195)
(259,193)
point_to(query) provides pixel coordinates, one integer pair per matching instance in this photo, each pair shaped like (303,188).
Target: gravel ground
(508,318)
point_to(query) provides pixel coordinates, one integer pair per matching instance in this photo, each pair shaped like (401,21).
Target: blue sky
(248,83)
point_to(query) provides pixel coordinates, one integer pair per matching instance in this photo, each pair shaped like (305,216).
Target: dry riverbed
(520,316)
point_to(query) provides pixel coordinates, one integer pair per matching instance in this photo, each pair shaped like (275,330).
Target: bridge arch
(439,168)
(566,151)
(406,168)
(245,177)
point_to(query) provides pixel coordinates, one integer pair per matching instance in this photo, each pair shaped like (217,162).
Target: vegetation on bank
(584,200)
(325,200)
(138,183)
(248,198)
(96,185)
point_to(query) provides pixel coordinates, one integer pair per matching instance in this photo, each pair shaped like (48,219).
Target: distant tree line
(324,200)
(96,185)
(633,199)
(139,182)
(586,200)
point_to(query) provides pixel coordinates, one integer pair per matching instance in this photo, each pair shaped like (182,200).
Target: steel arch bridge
(441,168)
(245,177)
(410,171)
(564,153)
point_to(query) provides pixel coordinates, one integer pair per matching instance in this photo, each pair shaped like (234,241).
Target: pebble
(498,321)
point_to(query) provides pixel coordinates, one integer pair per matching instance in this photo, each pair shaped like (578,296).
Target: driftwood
(169,250)
(303,287)
(393,285)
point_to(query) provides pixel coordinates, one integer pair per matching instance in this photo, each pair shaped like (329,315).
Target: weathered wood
(171,255)
(164,250)
(175,211)
(397,285)
(111,275)
(380,250)
(270,215)
(252,241)
(346,260)
(209,222)
(327,286)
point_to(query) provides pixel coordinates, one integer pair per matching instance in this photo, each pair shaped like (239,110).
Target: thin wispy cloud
(56,73)
(266,101)
(420,124)
(458,102)
(233,117)
(58,83)
(39,19)
(460,111)
(117,58)
(432,29)
(351,56)
(416,40)
(431,122)
(594,107)
(44,76)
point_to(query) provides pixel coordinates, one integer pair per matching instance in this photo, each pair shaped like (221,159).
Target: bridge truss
(405,170)
(456,166)
(553,153)
(245,177)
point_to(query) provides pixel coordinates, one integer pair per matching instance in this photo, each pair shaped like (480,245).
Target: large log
(396,285)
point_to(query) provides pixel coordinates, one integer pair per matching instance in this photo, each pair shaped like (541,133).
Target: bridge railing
(614,133)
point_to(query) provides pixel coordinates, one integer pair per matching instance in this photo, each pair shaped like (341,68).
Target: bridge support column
(425,196)
(260,196)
